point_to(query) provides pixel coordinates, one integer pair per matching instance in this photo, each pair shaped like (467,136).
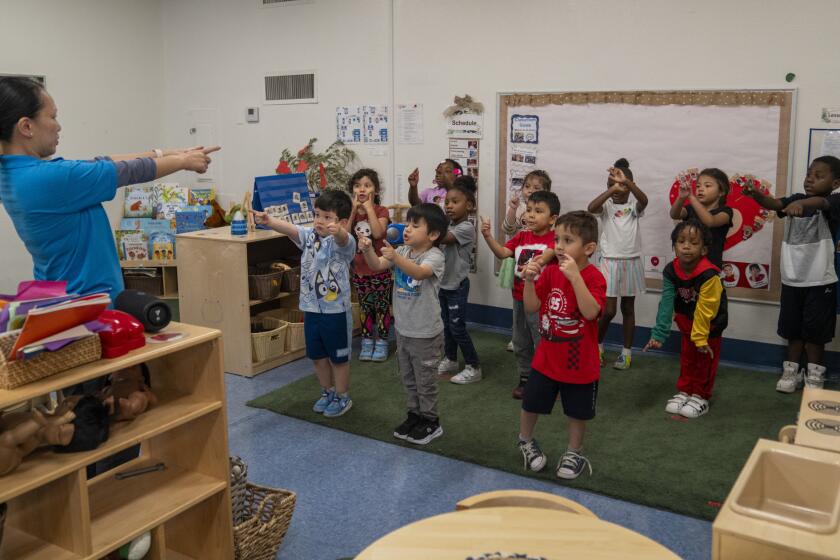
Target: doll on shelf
(23,432)
(128,394)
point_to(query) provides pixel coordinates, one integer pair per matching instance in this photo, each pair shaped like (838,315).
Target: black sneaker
(571,465)
(424,431)
(534,458)
(402,431)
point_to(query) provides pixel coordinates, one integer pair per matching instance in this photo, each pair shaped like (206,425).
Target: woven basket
(20,372)
(238,480)
(264,283)
(268,512)
(271,343)
(291,280)
(294,330)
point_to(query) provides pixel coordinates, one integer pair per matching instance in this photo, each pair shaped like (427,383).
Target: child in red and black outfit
(693,294)
(570,297)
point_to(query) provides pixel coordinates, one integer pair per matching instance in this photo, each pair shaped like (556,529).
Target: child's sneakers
(338,406)
(676,403)
(518,392)
(424,431)
(326,398)
(402,431)
(380,351)
(791,378)
(367,350)
(571,465)
(694,407)
(815,378)
(622,362)
(509,346)
(533,457)
(471,374)
(447,366)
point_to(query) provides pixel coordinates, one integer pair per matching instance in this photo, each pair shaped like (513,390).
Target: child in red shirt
(570,297)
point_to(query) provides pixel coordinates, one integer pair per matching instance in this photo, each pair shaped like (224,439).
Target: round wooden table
(536,532)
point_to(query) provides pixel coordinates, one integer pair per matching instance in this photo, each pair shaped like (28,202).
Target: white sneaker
(469,375)
(791,378)
(815,378)
(676,402)
(694,407)
(447,366)
(509,347)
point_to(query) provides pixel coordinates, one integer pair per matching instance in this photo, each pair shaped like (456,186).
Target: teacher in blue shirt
(56,204)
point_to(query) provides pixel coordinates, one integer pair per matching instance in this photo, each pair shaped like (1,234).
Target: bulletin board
(576,136)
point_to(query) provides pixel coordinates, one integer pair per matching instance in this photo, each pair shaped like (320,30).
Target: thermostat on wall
(252,114)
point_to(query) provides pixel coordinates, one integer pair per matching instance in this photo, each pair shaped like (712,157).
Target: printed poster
(348,124)
(410,123)
(525,129)
(375,120)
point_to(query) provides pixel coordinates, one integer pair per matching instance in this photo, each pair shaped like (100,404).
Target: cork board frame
(519,103)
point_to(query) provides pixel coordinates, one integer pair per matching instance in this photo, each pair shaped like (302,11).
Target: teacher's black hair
(19,98)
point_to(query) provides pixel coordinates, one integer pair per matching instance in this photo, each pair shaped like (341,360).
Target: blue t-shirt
(324,272)
(56,208)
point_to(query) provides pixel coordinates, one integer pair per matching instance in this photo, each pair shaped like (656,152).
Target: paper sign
(410,123)
(464,124)
(525,129)
(831,115)
(375,120)
(348,124)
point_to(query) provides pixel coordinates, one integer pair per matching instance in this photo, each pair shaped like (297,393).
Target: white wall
(212,54)
(102,60)
(481,47)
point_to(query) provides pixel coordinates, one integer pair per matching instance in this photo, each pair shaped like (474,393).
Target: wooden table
(537,532)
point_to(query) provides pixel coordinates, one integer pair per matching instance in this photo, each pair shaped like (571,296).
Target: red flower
(302,166)
(323,175)
(283,168)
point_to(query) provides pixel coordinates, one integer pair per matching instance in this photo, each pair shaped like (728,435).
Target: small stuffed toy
(91,425)
(127,396)
(23,432)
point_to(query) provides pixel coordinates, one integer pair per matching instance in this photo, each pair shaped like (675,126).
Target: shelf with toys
(186,505)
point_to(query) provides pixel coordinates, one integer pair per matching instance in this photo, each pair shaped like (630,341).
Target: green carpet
(638,452)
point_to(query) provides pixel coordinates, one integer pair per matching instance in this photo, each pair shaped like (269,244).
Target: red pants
(697,370)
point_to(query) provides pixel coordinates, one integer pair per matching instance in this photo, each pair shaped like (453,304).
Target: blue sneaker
(338,406)
(380,351)
(327,395)
(367,350)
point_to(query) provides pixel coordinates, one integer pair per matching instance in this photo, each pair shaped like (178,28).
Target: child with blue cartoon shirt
(328,251)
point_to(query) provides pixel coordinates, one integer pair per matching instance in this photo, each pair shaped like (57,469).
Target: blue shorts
(327,336)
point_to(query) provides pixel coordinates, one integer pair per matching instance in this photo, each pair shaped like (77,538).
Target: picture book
(139,202)
(162,246)
(132,244)
(189,220)
(202,197)
(171,197)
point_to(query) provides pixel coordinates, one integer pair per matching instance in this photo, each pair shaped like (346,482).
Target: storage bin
(294,330)
(270,343)
(147,280)
(291,280)
(264,282)
(261,515)
(20,372)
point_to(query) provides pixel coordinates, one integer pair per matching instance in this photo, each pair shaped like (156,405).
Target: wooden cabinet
(213,280)
(158,278)
(56,513)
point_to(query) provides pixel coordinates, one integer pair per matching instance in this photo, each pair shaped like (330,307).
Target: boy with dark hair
(570,297)
(418,268)
(693,297)
(328,251)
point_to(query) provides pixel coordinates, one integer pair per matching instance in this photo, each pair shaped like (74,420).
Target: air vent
(291,87)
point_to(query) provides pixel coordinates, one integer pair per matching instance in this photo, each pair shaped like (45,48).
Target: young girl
(707,205)
(693,297)
(445,174)
(536,180)
(457,246)
(369,219)
(621,253)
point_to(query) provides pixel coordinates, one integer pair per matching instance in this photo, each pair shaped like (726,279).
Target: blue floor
(352,490)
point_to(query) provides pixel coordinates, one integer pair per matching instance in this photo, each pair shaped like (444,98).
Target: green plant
(325,170)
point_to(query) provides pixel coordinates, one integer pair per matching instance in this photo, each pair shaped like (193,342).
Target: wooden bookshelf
(214,264)
(56,513)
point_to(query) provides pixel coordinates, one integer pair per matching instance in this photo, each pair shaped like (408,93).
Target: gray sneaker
(791,378)
(532,455)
